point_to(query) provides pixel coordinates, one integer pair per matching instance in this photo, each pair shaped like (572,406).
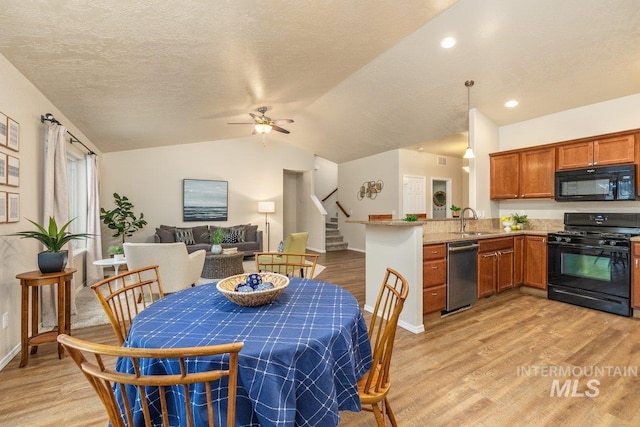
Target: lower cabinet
(434,278)
(635,275)
(518,260)
(535,270)
(495,265)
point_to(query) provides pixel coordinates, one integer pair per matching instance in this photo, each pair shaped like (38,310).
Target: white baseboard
(317,250)
(5,361)
(404,325)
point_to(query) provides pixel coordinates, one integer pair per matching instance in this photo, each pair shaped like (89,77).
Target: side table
(222,265)
(33,280)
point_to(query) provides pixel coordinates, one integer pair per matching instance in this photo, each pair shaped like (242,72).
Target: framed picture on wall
(13,134)
(3,129)
(3,206)
(3,168)
(13,207)
(13,171)
(204,200)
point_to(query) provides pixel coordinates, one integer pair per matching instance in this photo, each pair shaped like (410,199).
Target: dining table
(303,353)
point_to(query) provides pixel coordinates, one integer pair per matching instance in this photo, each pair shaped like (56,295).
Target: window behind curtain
(78,204)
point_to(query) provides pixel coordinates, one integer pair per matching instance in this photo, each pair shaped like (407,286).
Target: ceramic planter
(52,262)
(216,249)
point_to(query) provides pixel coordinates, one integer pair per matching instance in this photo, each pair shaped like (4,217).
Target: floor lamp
(266,208)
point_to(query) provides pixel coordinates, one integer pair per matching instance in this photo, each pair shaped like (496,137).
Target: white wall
(352,175)
(24,103)
(596,119)
(325,181)
(152,180)
(484,138)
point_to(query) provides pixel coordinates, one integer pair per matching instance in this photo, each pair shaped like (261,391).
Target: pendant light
(468,153)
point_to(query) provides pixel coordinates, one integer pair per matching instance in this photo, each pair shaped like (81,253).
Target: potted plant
(54,259)
(455,211)
(121,218)
(117,251)
(217,236)
(519,221)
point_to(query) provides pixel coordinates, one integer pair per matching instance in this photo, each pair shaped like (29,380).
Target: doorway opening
(440,197)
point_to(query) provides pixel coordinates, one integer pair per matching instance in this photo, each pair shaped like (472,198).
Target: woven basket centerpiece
(227,287)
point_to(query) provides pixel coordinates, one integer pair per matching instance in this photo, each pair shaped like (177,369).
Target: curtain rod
(49,118)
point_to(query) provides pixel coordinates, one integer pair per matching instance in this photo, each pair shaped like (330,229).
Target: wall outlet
(5,320)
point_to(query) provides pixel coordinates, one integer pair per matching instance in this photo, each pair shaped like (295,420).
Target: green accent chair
(285,262)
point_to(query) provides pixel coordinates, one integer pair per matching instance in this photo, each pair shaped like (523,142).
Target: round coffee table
(222,265)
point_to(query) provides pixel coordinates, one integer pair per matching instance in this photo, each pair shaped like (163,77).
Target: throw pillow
(281,246)
(165,236)
(251,233)
(201,234)
(185,235)
(233,236)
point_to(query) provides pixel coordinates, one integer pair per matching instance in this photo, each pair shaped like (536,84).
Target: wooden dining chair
(97,361)
(289,264)
(126,294)
(374,387)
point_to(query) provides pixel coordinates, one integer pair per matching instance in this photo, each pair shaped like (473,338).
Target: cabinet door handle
(435,252)
(490,255)
(434,294)
(508,251)
(434,268)
(636,263)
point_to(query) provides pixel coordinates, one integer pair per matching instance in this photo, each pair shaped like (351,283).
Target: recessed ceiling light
(448,42)
(420,148)
(511,104)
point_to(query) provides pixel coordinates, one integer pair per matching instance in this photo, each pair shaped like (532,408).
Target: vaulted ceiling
(357,77)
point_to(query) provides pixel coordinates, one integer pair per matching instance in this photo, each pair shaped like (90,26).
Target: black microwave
(596,184)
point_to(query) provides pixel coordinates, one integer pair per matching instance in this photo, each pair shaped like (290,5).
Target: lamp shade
(468,153)
(263,128)
(266,207)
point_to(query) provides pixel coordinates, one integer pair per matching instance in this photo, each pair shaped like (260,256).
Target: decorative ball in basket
(253,289)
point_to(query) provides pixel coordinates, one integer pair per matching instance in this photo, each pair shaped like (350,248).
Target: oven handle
(560,291)
(581,246)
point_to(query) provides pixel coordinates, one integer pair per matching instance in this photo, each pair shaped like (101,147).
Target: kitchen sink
(473,233)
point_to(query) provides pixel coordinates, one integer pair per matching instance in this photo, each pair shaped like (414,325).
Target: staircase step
(336,246)
(331,225)
(333,239)
(331,232)
(333,219)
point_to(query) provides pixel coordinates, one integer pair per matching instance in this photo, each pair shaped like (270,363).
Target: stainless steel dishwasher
(462,274)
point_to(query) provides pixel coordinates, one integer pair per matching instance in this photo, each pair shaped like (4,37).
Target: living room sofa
(246,237)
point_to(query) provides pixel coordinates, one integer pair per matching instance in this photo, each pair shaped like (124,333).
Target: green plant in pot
(117,251)
(455,211)
(121,219)
(217,236)
(54,259)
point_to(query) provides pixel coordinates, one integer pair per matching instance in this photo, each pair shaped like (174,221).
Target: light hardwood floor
(466,369)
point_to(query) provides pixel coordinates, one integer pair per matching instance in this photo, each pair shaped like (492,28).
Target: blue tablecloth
(302,355)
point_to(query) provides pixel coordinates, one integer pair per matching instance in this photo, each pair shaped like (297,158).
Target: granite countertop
(446,237)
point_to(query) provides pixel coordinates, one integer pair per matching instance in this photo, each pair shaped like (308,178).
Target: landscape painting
(204,200)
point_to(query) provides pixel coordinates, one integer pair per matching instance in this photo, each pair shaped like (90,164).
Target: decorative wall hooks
(370,189)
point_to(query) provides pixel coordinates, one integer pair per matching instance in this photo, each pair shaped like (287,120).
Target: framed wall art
(3,168)
(13,171)
(13,134)
(3,206)
(204,200)
(13,207)
(3,129)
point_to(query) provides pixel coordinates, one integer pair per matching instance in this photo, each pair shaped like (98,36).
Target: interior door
(413,194)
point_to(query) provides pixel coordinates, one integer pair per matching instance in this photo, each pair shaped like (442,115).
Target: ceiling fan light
(468,154)
(263,128)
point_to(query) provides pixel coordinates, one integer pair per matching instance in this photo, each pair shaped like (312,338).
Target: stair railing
(342,209)
(330,194)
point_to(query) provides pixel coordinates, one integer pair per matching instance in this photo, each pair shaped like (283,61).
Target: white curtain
(56,205)
(94,245)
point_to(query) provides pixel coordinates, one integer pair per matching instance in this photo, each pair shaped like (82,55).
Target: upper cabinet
(530,172)
(598,152)
(523,174)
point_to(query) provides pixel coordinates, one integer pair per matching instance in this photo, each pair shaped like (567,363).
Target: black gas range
(589,261)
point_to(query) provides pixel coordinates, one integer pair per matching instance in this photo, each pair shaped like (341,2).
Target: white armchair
(178,269)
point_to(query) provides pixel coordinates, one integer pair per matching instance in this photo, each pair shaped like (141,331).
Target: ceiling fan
(263,124)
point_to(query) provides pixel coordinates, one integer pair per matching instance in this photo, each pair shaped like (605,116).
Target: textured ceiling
(358,77)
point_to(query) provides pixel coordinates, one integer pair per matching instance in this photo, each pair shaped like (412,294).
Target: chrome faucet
(463,223)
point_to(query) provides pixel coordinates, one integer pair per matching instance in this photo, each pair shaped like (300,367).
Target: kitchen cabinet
(518,260)
(434,278)
(635,275)
(614,150)
(495,265)
(522,174)
(535,266)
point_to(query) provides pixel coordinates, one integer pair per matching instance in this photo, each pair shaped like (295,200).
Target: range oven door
(590,276)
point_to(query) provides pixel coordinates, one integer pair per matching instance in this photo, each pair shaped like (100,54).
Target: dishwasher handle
(470,247)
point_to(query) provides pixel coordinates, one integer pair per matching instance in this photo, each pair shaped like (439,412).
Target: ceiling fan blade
(256,117)
(279,121)
(279,129)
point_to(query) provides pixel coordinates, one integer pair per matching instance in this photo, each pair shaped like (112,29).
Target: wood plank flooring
(487,366)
